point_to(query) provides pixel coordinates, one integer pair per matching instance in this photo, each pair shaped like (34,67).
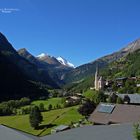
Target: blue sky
(78,30)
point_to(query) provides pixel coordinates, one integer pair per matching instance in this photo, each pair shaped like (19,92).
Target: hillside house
(106,113)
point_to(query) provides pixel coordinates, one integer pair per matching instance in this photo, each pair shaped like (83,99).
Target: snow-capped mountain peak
(51,59)
(64,62)
(41,55)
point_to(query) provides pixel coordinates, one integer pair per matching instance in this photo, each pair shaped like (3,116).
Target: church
(99,82)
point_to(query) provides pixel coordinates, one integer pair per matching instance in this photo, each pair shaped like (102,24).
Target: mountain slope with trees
(14,84)
(128,66)
(87,70)
(125,66)
(19,77)
(30,70)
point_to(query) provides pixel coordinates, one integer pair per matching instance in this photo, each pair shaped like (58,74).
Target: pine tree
(35,117)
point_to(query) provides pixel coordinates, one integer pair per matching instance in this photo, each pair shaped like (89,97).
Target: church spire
(99,82)
(96,79)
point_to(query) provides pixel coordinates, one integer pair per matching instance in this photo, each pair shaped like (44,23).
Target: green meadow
(53,101)
(51,119)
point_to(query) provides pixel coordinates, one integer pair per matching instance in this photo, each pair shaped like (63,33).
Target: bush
(50,107)
(112,98)
(26,110)
(86,108)
(99,97)
(126,99)
(9,107)
(5,109)
(41,107)
(137,131)
(24,101)
(119,100)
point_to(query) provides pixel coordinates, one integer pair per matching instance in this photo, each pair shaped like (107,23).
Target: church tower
(96,80)
(99,82)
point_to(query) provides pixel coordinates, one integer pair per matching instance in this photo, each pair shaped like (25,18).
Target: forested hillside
(18,77)
(128,66)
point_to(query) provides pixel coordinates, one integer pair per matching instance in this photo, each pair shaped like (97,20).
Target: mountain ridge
(47,63)
(88,69)
(58,70)
(26,67)
(54,60)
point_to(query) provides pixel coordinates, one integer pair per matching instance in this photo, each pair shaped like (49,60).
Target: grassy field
(53,101)
(53,117)
(89,94)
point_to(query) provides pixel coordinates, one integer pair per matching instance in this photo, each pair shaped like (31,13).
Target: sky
(78,30)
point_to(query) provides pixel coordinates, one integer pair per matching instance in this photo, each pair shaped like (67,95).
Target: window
(106,108)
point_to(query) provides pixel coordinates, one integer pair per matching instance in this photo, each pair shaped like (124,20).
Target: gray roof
(121,78)
(96,132)
(7,133)
(134,98)
(122,113)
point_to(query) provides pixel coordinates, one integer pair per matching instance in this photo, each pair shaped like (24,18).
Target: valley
(62,94)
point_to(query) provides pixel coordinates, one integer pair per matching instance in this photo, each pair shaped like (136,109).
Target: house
(115,114)
(134,98)
(60,128)
(95,132)
(73,99)
(120,81)
(79,95)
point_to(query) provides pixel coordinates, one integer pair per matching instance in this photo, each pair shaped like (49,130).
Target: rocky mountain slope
(48,64)
(48,59)
(59,61)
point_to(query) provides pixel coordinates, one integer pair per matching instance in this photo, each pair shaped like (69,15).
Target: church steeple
(99,82)
(96,79)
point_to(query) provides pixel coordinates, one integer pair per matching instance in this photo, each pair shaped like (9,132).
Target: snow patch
(65,62)
(41,55)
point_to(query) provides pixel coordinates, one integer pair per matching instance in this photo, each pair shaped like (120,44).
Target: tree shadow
(45,126)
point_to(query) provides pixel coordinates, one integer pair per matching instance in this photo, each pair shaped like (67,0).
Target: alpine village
(47,98)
